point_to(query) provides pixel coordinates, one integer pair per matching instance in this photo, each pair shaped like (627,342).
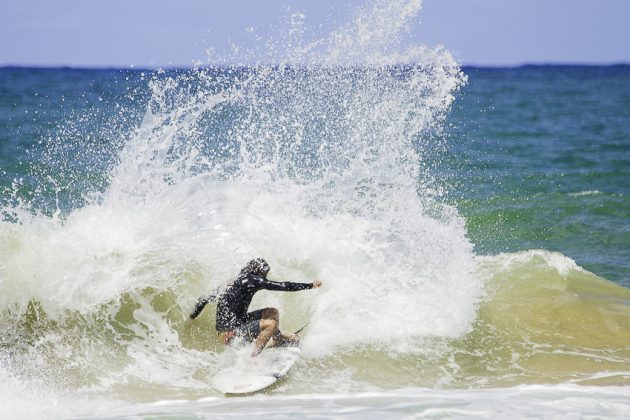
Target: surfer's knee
(269,325)
(271,313)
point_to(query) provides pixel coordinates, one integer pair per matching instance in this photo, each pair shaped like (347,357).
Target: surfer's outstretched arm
(286,286)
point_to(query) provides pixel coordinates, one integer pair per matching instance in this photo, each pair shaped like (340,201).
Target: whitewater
(322,162)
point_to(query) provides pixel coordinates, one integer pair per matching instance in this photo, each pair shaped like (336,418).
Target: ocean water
(471,228)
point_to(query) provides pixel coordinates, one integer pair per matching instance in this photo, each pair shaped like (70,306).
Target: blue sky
(160,33)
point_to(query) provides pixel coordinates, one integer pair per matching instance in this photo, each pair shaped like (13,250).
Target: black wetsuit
(233,303)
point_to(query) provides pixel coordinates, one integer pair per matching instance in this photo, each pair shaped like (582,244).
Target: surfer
(260,326)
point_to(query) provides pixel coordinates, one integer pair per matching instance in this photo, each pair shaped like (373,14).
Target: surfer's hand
(317,284)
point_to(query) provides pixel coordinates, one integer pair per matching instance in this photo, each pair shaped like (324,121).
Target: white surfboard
(248,374)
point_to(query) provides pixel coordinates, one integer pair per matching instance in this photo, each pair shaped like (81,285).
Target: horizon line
(4,66)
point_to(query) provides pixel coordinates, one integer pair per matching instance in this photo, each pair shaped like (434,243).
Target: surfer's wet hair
(257,267)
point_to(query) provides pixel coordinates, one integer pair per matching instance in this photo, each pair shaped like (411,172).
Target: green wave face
(546,320)
(542,319)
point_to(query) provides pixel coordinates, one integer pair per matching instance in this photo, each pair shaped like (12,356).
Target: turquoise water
(541,158)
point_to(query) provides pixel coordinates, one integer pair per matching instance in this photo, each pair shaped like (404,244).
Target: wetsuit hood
(256,267)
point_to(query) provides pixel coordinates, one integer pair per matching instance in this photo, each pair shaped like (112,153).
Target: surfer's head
(257,267)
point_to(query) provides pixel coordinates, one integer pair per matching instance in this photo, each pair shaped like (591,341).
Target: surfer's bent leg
(260,326)
(268,329)
(263,326)
(279,339)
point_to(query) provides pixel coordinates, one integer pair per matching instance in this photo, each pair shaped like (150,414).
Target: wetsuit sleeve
(201,303)
(285,286)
